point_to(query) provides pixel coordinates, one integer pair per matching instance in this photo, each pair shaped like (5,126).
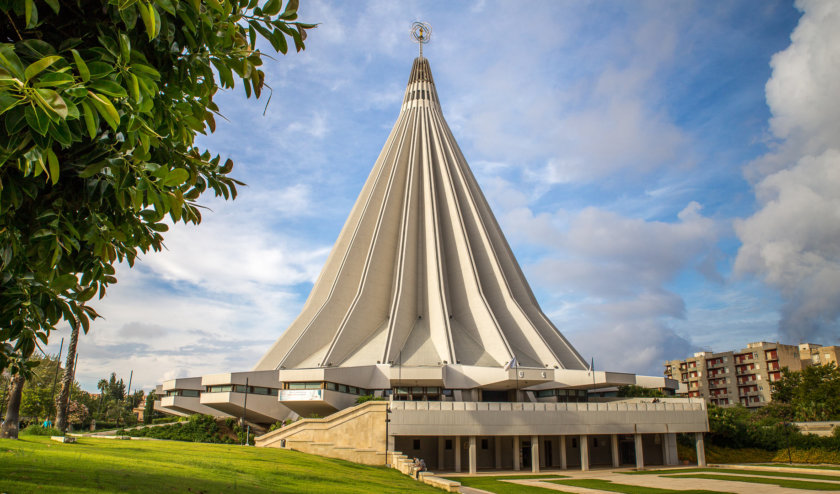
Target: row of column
(584,452)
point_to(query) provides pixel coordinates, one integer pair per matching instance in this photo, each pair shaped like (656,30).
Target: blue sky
(666,173)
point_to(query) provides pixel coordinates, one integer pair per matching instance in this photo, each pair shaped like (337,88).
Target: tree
(67,381)
(149,410)
(632,390)
(100,102)
(9,429)
(813,393)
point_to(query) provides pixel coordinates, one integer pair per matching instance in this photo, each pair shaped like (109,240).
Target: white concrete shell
(421,273)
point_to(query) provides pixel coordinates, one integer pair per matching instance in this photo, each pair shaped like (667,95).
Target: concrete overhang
(259,409)
(191,383)
(188,405)
(267,379)
(322,402)
(582,379)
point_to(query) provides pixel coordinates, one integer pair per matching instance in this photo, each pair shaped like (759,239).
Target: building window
(574,442)
(594,442)
(447,444)
(485,444)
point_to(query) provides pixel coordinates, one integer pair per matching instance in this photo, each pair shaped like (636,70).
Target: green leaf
(53,5)
(60,131)
(148,16)
(55,79)
(35,68)
(135,86)
(109,87)
(272,7)
(291,10)
(93,169)
(106,109)
(215,5)
(125,48)
(64,282)
(37,120)
(10,60)
(278,41)
(159,227)
(99,70)
(150,71)
(28,7)
(54,169)
(81,66)
(176,177)
(54,101)
(90,122)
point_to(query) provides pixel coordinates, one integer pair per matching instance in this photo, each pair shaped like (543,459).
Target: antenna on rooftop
(421,33)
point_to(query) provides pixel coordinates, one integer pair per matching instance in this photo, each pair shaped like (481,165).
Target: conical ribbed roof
(421,273)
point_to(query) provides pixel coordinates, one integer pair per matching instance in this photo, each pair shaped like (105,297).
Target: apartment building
(742,376)
(812,354)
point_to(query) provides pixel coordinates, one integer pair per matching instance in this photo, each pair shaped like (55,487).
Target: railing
(664,405)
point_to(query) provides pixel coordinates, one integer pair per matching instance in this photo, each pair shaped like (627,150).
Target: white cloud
(793,241)
(616,272)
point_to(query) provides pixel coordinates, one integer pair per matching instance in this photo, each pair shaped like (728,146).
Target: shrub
(364,398)
(40,430)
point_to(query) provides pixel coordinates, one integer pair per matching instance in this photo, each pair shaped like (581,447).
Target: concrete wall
(546,419)
(355,434)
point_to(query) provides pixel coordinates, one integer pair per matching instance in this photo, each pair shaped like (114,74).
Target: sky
(667,174)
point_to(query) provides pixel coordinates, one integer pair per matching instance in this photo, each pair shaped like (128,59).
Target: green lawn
(786,483)
(606,485)
(764,473)
(36,464)
(786,465)
(494,484)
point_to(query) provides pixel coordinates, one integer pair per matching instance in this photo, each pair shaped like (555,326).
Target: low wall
(355,434)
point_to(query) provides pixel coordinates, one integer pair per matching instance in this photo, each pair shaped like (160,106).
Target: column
(457,453)
(666,451)
(472,458)
(516,459)
(563,463)
(535,454)
(584,452)
(701,449)
(640,454)
(498,451)
(441,452)
(673,457)
(614,447)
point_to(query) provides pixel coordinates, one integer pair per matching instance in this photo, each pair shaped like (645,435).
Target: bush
(364,398)
(166,420)
(40,430)
(198,428)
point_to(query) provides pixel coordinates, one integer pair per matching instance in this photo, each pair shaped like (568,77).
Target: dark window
(574,442)
(416,444)
(484,444)
(447,444)
(594,442)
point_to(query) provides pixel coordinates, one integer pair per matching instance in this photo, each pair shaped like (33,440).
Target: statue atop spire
(421,32)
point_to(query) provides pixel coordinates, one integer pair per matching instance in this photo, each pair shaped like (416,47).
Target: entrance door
(526,454)
(627,451)
(549,461)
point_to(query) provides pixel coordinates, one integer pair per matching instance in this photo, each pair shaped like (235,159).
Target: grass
(36,464)
(765,473)
(606,485)
(786,483)
(495,484)
(786,465)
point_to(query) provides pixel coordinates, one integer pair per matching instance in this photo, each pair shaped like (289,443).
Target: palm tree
(67,381)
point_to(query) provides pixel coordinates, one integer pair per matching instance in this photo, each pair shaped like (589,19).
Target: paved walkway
(615,476)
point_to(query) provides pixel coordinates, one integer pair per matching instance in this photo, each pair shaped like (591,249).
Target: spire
(421,272)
